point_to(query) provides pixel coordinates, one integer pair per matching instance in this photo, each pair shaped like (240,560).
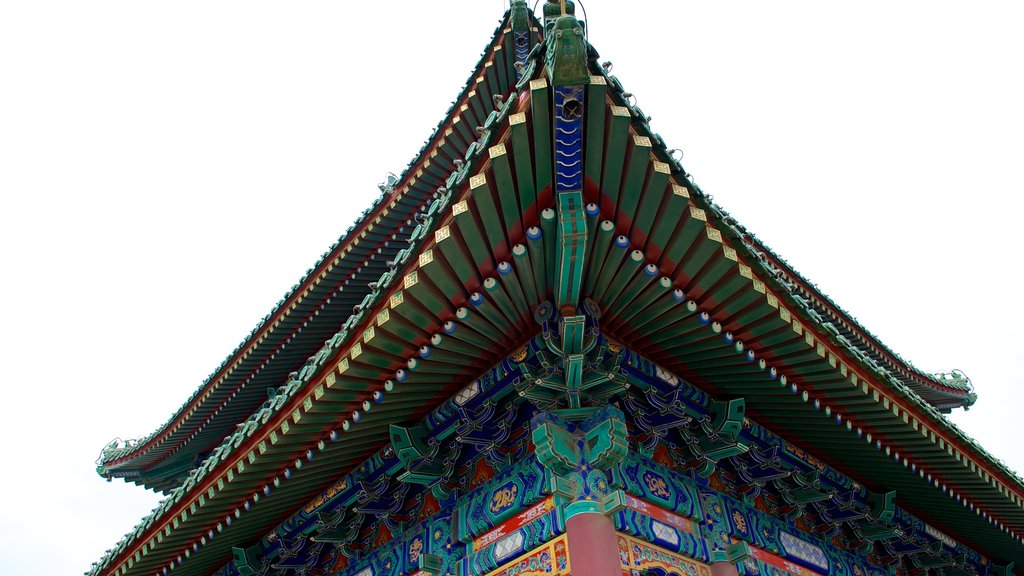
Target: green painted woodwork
(611,272)
(628,285)
(486,209)
(549,230)
(572,237)
(555,446)
(1006,570)
(457,256)
(470,231)
(616,135)
(497,86)
(606,439)
(578,456)
(524,173)
(510,282)
(247,560)
(418,458)
(653,291)
(536,252)
(601,247)
(733,553)
(655,194)
(496,293)
(522,261)
(723,431)
(540,98)
(506,188)
(638,161)
(597,96)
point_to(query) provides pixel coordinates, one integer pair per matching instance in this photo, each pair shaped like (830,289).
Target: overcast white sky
(169,169)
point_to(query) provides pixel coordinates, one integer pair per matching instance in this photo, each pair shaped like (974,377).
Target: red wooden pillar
(724,569)
(593,546)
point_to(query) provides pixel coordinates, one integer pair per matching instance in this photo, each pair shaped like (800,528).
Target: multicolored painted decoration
(638,557)
(516,522)
(523,485)
(577,455)
(508,292)
(551,559)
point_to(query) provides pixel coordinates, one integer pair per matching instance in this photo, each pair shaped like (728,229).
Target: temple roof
(310,312)
(479,257)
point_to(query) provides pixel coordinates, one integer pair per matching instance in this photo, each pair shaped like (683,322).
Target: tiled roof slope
(944,391)
(312,310)
(168,516)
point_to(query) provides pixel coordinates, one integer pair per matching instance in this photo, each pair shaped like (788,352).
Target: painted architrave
(766,558)
(635,556)
(549,559)
(512,524)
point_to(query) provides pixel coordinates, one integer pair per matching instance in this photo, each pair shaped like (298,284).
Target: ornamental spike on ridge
(544,350)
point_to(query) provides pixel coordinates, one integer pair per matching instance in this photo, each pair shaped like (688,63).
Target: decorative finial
(567,53)
(553,10)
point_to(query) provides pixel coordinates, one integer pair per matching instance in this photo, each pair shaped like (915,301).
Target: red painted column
(593,546)
(724,569)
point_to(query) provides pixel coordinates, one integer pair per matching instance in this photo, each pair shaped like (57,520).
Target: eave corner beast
(544,350)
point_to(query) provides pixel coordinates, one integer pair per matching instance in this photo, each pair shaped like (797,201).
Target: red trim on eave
(885,392)
(879,347)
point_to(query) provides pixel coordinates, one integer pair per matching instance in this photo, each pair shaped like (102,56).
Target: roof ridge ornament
(555,10)
(567,51)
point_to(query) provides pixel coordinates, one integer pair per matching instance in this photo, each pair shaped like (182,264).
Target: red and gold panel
(635,556)
(550,559)
(514,523)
